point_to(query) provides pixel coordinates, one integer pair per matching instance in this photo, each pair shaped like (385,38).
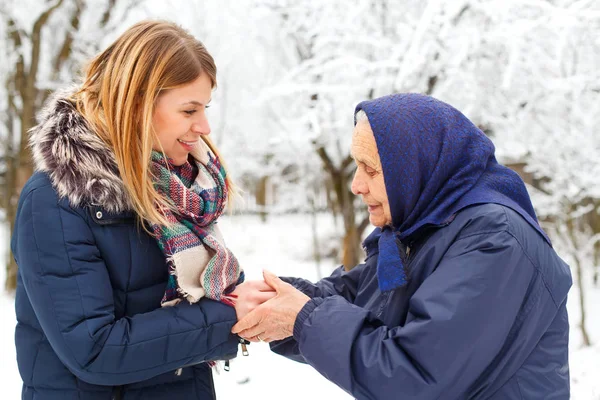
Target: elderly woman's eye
(371,171)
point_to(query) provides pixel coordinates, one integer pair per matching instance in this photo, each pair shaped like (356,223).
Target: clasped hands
(266,310)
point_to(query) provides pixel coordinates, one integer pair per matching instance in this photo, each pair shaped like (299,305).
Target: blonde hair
(119,93)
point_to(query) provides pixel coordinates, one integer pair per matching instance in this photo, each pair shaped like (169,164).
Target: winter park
(285,199)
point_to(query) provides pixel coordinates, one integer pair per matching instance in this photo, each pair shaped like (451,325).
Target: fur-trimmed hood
(81,166)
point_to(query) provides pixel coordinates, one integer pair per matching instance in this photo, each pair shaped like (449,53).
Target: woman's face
(368,182)
(180,118)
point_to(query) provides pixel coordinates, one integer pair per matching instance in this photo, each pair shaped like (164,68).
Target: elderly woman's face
(368,180)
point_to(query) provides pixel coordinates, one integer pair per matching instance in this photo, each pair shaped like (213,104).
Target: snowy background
(290,72)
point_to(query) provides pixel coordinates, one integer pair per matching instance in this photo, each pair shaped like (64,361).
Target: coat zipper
(243,344)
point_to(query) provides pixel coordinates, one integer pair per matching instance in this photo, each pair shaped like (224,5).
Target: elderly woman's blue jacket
(90,283)
(483,316)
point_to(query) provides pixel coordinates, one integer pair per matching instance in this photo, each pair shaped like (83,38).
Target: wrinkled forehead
(364,146)
(362,129)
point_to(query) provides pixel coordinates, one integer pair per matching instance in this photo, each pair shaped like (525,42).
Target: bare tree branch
(19,75)
(460,14)
(346,163)
(36,42)
(67,46)
(326,160)
(107,17)
(107,13)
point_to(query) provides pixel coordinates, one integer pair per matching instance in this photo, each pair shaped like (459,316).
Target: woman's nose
(201,127)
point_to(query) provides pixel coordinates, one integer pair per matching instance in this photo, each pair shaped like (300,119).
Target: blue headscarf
(435,163)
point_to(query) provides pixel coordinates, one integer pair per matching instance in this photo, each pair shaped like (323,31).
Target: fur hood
(80,165)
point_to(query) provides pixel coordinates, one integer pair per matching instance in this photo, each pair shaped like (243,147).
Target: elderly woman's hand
(249,295)
(273,320)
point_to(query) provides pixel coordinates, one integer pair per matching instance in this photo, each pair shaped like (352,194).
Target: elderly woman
(461,294)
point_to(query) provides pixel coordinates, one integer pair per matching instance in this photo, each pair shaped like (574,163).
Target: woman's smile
(188,146)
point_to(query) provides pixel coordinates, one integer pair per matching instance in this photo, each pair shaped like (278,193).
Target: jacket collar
(80,165)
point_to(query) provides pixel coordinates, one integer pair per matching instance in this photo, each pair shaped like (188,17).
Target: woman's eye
(371,171)
(190,112)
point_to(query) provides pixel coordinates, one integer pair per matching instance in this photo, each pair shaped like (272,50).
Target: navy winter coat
(90,282)
(483,316)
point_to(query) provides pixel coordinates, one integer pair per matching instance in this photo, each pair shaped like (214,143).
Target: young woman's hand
(273,320)
(249,295)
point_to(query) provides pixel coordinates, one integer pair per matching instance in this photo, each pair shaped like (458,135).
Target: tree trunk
(10,284)
(596,262)
(584,333)
(343,201)
(571,226)
(331,204)
(261,197)
(351,249)
(22,169)
(315,235)
(351,253)
(9,189)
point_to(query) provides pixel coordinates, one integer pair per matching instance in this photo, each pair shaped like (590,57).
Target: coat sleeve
(459,319)
(67,282)
(339,283)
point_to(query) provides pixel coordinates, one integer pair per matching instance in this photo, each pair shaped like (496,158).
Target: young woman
(123,274)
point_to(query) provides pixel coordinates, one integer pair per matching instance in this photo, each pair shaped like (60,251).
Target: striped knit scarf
(199,263)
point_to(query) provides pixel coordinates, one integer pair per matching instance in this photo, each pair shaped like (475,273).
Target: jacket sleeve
(340,283)
(67,282)
(458,321)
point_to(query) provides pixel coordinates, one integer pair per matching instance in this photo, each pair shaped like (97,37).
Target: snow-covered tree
(550,94)
(524,71)
(341,54)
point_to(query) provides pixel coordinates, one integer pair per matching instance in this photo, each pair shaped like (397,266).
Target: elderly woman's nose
(358,185)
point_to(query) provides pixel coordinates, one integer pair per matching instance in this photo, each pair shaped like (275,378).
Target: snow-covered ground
(284,246)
